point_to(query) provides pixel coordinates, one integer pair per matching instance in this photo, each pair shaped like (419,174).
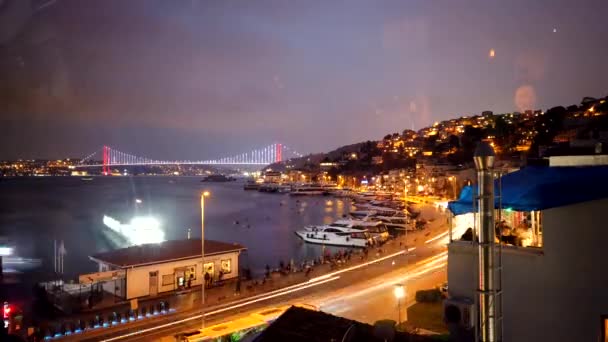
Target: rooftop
(163,252)
(303,325)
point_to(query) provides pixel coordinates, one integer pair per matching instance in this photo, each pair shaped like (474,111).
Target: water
(36,211)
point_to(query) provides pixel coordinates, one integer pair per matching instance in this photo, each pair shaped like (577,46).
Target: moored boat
(251,185)
(307,190)
(335,236)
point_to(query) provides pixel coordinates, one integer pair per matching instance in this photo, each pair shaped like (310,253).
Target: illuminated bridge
(113,157)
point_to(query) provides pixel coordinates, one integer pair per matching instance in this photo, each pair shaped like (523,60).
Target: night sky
(201,79)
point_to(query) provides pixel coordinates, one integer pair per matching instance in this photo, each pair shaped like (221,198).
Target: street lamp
(203,195)
(399,292)
(453,185)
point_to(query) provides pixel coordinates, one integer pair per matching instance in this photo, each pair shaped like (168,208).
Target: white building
(554,287)
(150,269)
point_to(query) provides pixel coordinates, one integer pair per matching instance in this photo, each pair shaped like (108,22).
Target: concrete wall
(138,278)
(557,293)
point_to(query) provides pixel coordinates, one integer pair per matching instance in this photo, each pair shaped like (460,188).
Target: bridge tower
(279,152)
(106,160)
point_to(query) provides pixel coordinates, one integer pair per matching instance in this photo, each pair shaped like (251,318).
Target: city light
(141,230)
(399,291)
(6,251)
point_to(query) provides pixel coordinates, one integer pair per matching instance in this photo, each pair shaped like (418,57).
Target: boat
(251,185)
(344,192)
(393,223)
(362,213)
(284,188)
(335,236)
(376,229)
(307,190)
(217,178)
(268,187)
(86,179)
(383,210)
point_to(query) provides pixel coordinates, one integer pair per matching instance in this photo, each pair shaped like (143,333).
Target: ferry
(86,179)
(335,236)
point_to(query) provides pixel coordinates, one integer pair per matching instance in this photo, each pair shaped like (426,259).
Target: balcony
(513,229)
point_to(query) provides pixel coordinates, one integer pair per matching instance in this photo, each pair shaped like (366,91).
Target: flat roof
(156,253)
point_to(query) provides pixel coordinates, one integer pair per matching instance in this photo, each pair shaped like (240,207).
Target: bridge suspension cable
(266,155)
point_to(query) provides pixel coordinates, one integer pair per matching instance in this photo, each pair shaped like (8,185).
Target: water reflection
(66,209)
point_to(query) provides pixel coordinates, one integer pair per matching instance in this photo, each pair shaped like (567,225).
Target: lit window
(226,266)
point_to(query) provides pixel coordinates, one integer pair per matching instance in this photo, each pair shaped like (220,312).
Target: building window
(209,268)
(168,279)
(226,266)
(520,228)
(190,272)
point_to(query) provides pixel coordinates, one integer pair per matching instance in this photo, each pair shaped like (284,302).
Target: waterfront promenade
(358,268)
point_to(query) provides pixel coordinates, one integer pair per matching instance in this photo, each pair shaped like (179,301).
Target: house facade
(151,269)
(551,279)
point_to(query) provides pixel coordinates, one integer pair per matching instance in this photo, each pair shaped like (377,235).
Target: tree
(547,127)
(470,138)
(408,133)
(333,172)
(454,141)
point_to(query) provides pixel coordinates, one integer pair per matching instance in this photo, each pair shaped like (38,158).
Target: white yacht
(307,190)
(383,210)
(335,236)
(376,229)
(362,213)
(392,222)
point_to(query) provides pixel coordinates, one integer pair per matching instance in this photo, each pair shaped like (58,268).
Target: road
(361,293)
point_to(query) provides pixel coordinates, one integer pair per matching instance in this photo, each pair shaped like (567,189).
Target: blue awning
(539,188)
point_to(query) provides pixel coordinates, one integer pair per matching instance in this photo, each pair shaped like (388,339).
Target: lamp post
(203,195)
(452,180)
(399,292)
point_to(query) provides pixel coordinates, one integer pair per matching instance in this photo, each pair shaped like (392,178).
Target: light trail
(272,294)
(430,264)
(199,316)
(361,265)
(432,258)
(338,305)
(436,237)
